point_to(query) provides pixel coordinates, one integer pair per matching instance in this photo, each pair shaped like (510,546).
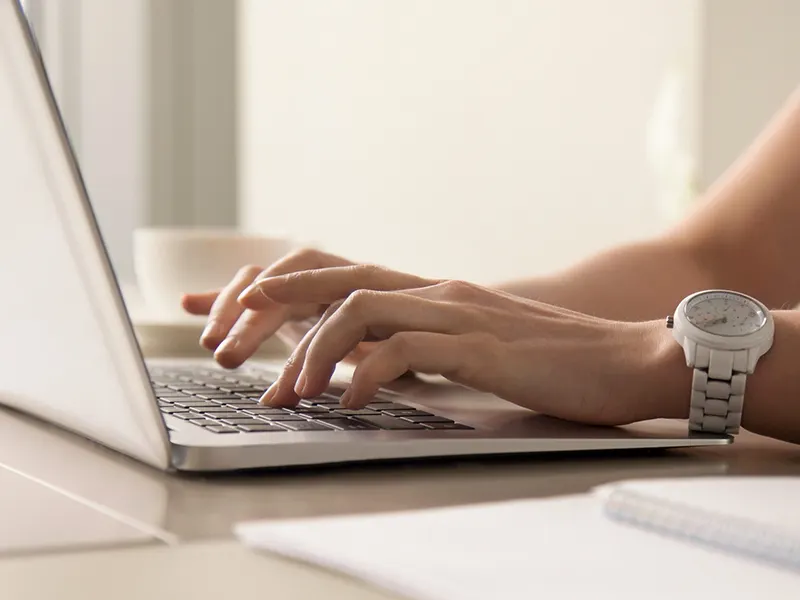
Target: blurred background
(479,139)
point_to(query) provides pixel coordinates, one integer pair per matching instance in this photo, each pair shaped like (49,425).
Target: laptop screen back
(69,352)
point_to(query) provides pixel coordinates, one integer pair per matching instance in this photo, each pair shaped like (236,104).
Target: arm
(655,276)
(743,236)
(772,401)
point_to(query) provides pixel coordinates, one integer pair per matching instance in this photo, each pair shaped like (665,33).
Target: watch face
(725,313)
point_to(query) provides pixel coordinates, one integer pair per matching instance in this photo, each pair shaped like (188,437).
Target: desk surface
(193,508)
(103,499)
(212,571)
(198,513)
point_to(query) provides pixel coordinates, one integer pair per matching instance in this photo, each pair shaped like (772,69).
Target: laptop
(71,357)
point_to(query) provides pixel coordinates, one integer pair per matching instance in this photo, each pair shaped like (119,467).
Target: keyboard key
(195,404)
(282,418)
(265,410)
(414,413)
(202,422)
(185,415)
(261,427)
(240,389)
(168,410)
(208,381)
(311,410)
(217,396)
(172,395)
(387,422)
(222,429)
(253,395)
(388,406)
(328,416)
(222,415)
(348,424)
(325,401)
(356,411)
(242,405)
(242,380)
(304,425)
(404,413)
(448,426)
(215,408)
(426,419)
(191,388)
(243,421)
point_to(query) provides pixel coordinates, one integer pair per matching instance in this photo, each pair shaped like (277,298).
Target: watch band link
(718,386)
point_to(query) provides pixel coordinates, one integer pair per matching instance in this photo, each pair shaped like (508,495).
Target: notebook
(754,517)
(632,538)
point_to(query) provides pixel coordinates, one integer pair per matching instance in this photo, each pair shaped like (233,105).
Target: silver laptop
(70,355)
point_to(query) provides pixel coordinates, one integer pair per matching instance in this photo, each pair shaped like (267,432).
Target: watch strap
(718,386)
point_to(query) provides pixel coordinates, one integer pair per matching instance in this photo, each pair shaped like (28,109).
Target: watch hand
(717,321)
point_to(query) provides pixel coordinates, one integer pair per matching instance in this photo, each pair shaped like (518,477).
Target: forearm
(635,282)
(742,236)
(772,393)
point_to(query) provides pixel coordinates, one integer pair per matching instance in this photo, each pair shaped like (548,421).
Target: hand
(549,359)
(235,332)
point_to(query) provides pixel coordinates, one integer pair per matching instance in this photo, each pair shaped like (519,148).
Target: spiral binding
(734,535)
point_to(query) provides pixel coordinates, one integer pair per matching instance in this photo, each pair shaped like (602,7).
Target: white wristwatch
(723,334)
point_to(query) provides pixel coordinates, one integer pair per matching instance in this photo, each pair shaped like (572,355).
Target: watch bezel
(683,328)
(694,298)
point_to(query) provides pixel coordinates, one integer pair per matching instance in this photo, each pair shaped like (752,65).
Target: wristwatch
(723,334)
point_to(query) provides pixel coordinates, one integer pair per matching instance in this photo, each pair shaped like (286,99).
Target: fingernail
(300,386)
(269,394)
(254,290)
(228,345)
(246,294)
(212,331)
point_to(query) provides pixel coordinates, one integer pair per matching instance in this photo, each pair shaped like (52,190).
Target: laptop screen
(71,356)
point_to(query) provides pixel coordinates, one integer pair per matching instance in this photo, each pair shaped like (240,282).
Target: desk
(142,514)
(199,508)
(194,515)
(213,571)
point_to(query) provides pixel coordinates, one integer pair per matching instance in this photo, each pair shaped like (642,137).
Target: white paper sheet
(553,548)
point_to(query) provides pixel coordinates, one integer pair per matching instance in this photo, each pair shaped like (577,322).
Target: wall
(751,62)
(469,139)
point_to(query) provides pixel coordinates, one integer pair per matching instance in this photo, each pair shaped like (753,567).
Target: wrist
(664,380)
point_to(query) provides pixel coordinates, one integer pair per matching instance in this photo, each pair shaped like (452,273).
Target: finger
(370,314)
(226,310)
(303,260)
(460,358)
(248,333)
(199,304)
(292,332)
(281,393)
(327,285)
(245,330)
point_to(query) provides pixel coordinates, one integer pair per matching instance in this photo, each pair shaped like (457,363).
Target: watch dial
(725,313)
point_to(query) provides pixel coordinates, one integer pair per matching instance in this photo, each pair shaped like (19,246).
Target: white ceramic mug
(170,262)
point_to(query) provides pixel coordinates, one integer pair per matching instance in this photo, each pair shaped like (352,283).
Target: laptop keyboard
(226,403)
